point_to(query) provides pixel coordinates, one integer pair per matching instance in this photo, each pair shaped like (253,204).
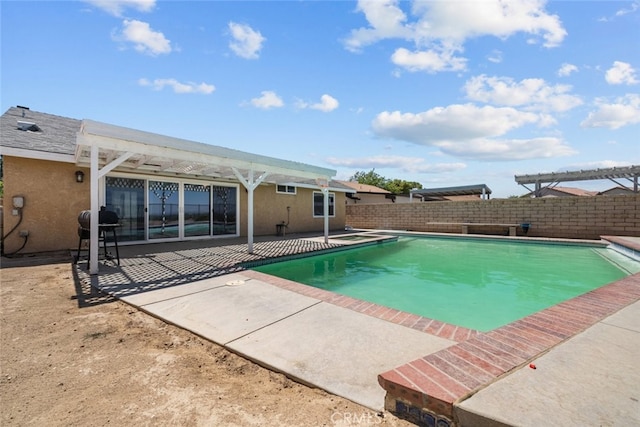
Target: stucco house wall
(271,208)
(52,201)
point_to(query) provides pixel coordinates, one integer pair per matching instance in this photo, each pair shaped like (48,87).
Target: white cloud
(621,73)
(327,103)
(268,100)
(189,87)
(470,131)
(144,39)
(387,20)
(624,111)
(508,149)
(430,61)
(455,122)
(635,6)
(532,94)
(406,164)
(117,7)
(566,69)
(246,42)
(449,21)
(440,28)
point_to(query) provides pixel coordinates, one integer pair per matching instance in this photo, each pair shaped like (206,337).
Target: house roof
(364,188)
(71,140)
(571,191)
(54,139)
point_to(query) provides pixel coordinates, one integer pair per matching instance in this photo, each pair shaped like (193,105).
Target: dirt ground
(71,357)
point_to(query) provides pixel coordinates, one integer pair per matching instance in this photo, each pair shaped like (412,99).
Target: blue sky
(440,92)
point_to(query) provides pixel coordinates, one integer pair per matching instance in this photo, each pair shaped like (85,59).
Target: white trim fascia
(37,155)
(317,187)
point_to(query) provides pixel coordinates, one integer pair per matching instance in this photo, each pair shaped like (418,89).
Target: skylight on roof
(28,126)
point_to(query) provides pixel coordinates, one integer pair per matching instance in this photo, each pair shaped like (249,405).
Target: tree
(400,186)
(395,186)
(369,178)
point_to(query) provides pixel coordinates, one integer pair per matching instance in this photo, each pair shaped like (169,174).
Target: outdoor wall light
(79,176)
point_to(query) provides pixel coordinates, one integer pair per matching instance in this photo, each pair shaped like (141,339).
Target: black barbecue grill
(108,222)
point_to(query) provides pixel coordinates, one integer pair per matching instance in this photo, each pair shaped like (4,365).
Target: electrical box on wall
(18,202)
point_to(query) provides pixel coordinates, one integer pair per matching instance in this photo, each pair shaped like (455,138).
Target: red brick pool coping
(430,386)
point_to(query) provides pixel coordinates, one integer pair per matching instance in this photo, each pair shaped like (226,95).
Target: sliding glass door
(173,210)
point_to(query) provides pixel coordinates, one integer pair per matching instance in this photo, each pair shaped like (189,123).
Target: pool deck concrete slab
(592,379)
(162,294)
(338,350)
(223,313)
(317,343)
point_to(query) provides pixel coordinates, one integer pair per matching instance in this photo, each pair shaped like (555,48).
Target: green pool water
(478,284)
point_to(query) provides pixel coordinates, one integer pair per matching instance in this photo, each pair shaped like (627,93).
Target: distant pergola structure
(629,173)
(430,194)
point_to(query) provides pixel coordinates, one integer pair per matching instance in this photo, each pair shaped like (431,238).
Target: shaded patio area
(154,266)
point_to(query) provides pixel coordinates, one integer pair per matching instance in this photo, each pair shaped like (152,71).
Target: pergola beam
(630,172)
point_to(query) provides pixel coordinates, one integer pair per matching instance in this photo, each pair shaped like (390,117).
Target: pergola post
(93,236)
(325,193)
(250,184)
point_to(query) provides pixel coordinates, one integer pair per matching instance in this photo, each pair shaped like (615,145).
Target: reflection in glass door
(164,202)
(125,197)
(197,210)
(224,210)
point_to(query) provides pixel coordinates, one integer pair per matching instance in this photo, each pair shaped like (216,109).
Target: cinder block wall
(562,217)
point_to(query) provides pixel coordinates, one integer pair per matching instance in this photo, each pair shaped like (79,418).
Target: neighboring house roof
(364,188)
(617,190)
(570,191)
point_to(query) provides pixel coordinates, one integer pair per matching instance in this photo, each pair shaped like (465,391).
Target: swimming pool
(475,283)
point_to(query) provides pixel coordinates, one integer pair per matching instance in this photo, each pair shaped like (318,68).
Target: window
(318,204)
(287,189)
